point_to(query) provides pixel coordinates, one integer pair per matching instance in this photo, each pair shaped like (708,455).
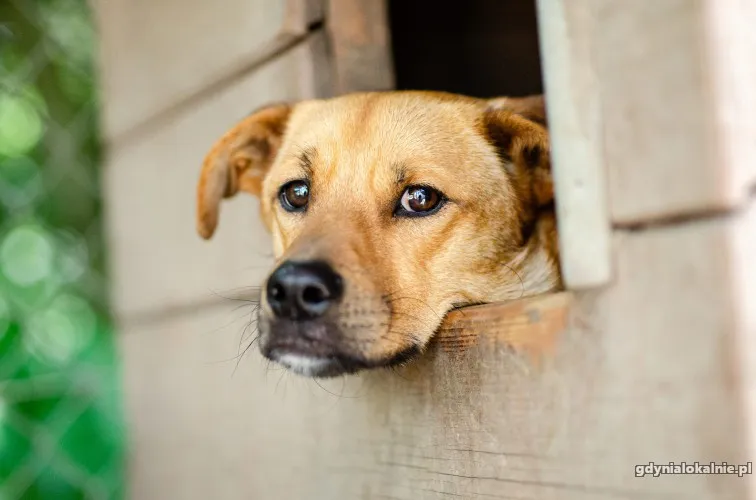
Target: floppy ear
(239,162)
(517,128)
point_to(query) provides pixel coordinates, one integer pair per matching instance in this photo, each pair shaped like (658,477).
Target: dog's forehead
(382,136)
(392,126)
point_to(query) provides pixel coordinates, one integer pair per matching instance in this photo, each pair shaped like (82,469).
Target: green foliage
(61,433)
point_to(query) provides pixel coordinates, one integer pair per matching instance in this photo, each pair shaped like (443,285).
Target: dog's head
(387,210)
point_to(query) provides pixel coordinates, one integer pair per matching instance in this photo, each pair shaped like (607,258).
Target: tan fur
(495,240)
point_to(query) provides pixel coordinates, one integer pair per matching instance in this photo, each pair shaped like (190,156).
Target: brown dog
(387,210)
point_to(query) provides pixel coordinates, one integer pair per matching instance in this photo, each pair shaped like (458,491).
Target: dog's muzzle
(302,332)
(302,335)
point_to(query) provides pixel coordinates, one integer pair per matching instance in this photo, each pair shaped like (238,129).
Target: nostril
(277,293)
(300,291)
(315,295)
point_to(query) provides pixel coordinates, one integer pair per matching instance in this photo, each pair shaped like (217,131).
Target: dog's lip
(313,365)
(309,366)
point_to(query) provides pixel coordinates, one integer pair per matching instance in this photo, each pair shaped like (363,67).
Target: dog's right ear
(239,161)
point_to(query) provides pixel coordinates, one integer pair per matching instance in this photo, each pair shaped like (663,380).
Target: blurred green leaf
(20,182)
(51,485)
(26,255)
(61,435)
(21,126)
(15,445)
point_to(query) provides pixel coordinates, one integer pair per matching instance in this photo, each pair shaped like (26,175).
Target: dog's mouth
(314,359)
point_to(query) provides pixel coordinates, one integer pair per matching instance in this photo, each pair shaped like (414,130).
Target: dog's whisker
(237,299)
(245,287)
(250,323)
(240,356)
(283,375)
(340,395)
(267,369)
(244,333)
(395,371)
(216,330)
(227,360)
(242,306)
(408,315)
(395,300)
(522,282)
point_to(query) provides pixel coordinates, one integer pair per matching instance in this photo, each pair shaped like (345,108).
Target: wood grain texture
(300,15)
(732,72)
(528,326)
(573,104)
(676,86)
(361,45)
(160,57)
(742,250)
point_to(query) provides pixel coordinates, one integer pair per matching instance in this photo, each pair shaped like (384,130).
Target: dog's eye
(294,196)
(419,201)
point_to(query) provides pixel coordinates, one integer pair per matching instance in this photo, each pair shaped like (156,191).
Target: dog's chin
(315,366)
(324,358)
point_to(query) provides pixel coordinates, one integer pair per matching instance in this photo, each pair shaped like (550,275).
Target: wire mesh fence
(61,434)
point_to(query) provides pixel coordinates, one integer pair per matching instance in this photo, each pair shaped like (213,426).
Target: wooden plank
(572,94)
(729,25)
(150,188)
(743,273)
(676,86)
(156,57)
(361,45)
(200,385)
(528,326)
(301,15)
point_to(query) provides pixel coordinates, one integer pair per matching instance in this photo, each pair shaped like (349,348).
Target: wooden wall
(649,357)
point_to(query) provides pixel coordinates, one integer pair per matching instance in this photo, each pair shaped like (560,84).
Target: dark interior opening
(481,48)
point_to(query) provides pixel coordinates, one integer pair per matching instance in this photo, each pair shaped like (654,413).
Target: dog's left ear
(239,162)
(532,107)
(517,129)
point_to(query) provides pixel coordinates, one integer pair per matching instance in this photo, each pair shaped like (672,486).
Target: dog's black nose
(303,290)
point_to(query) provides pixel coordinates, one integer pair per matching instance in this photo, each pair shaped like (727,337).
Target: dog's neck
(534,269)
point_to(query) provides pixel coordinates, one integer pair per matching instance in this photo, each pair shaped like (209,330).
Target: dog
(387,210)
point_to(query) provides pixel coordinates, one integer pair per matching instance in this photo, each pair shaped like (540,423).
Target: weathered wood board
(677,104)
(360,44)
(157,56)
(575,126)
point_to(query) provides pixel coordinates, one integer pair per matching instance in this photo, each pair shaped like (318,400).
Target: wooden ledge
(530,326)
